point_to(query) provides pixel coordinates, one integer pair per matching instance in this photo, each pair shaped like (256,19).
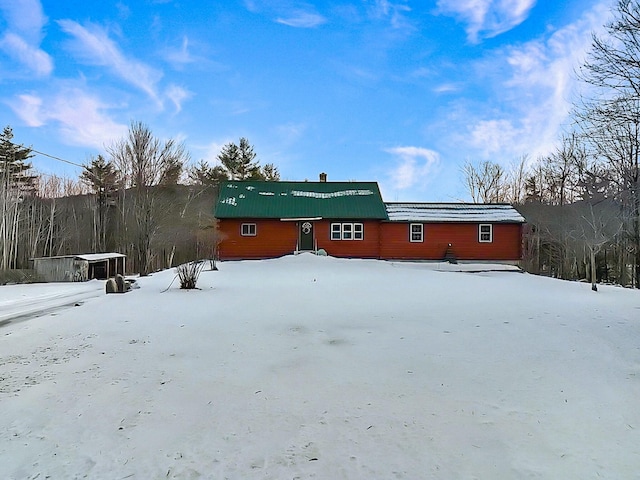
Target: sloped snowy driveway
(21,302)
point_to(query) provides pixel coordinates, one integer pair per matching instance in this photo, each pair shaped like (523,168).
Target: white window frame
(358,231)
(248,230)
(347,231)
(485,233)
(336,231)
(419,232)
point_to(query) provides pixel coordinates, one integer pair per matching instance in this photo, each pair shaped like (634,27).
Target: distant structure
(79,268)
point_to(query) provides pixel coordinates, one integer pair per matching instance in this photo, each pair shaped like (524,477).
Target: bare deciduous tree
(146,163)
(610,118)
(595,225)
(486,182)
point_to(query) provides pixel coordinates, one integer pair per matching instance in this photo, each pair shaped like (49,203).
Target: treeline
(143,199)
(582,201)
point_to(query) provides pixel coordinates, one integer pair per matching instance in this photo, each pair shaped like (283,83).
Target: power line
(56,158)
(46,154)
(84,167)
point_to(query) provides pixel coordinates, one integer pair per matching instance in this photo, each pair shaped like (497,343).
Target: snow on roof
(340,193)
(90,257)
(453,212)
(230,201)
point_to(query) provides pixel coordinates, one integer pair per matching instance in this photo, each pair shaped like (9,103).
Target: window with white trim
(416,232)
(347,231)
(485,233)
(336,231)
(248,229)
(358,231)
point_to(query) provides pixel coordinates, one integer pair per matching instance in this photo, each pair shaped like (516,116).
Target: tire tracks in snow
(28,307)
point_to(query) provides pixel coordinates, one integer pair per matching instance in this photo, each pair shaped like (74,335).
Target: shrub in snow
(188,274)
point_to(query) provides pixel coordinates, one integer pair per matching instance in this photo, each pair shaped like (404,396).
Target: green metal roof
(344,200)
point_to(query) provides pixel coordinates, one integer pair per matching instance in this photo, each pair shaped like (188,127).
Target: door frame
(302,224)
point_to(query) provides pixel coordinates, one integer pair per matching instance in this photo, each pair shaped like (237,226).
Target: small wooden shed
(79,268)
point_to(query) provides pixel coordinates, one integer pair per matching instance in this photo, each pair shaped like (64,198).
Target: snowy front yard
(311,367)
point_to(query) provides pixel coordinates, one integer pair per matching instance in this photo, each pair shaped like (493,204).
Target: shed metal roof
(90,257)
(291,200)
(453,212)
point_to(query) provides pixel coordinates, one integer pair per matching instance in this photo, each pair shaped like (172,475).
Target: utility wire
(56,158)
(46,154)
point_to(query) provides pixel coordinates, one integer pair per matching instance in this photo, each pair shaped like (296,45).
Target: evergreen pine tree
(14,168)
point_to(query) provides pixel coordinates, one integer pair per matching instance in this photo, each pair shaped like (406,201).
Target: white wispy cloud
(29,109)
(287,12)
(36,60)
(395,12)
(494,136)
(81,118)
(177,95)
(301,19)
(536,89)
(414,166)
(447,88)
(180,55)
(93,46)
(25,17)
(487,18)
(25,21)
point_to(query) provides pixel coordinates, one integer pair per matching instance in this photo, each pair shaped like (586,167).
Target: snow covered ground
(316,367)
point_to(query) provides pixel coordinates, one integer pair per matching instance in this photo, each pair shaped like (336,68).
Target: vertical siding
(387,240)
(274,238)
(368,247)
(61,269)
(463,237)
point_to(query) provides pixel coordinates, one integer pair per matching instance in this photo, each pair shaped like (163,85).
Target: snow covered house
(349,219)
(79,268)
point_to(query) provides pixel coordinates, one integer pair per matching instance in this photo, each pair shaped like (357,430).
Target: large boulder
(122,286)
(111,286)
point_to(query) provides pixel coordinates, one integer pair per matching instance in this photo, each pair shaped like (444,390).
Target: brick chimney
(323,177)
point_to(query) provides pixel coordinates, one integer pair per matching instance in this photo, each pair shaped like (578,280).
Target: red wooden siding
(368,247)
(463,237)
(385,240)
(274,238)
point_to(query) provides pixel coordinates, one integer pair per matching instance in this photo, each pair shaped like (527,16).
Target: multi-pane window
(248,229)
(358,231)
(336,231)
(347,231)
(416,232)
(485,233)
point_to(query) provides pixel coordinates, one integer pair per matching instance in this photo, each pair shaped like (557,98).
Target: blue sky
(399,92)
